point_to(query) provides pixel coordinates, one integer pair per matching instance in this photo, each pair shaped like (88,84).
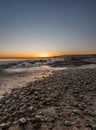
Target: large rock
(5,125)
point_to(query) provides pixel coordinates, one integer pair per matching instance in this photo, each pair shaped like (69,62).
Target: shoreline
(63,100)
(19,77)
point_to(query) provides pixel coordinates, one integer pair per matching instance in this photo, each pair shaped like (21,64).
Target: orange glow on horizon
(41,54)
(35,55)
(44,55)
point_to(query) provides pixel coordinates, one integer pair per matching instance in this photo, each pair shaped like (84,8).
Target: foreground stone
(66,100)
(5,125)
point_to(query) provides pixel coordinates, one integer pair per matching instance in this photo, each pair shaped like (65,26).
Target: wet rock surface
(66,100)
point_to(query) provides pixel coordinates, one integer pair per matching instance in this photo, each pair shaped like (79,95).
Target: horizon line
(29,57)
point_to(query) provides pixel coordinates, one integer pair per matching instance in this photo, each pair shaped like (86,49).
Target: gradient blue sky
(53,26)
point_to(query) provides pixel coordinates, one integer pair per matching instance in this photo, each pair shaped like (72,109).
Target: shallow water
(19,75)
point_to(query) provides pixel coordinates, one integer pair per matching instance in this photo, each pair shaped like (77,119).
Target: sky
(47,27)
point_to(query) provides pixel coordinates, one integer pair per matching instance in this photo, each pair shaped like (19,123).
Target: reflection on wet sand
(18,77)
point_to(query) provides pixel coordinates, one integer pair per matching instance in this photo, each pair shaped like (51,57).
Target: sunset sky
(44,28)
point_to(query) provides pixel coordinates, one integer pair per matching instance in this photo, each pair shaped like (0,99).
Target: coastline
(63,100)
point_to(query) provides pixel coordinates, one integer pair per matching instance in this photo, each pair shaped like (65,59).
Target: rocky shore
(65,100)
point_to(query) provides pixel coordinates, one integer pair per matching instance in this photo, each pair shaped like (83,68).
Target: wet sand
(19,77)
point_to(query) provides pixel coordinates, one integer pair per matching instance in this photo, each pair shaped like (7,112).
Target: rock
(4,118)
(88,124)
(94,127)
(15,127)
(93,114)
(31,109)
(37,118)
(22,121)
(13,114)
(51,104)
(36,122)
(21,112)
(52,120)
(68,123)
(5,125)
(76,111)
